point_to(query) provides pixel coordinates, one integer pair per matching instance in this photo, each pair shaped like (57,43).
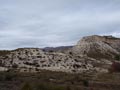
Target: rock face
(89,55)
(98,46)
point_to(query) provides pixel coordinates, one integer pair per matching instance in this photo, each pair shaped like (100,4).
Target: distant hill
(61,48)
(98,46)
(91,54)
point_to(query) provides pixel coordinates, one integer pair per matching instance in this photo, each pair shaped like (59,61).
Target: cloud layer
(42,23)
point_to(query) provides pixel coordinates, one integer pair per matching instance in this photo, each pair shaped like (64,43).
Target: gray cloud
(41,23)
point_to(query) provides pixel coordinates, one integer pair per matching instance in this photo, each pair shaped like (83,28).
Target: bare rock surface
(98,46)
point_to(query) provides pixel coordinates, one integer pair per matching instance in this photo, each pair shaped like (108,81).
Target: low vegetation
(117,57)
(4,52)
(47,80)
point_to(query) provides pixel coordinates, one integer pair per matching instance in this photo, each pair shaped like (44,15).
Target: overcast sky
(43,23)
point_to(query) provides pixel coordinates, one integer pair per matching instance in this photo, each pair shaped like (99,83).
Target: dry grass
(47,80)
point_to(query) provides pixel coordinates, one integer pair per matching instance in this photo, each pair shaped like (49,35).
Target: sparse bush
(50,87)
(14,66)
(117,57)
(76,66)
(41,87)
(86,83)
(26,87)
(68,88)
(70,53)
(29,63)
(7,76)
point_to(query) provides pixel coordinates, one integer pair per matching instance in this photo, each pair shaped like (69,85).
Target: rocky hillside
(33,60)
(98,47)
(91,54)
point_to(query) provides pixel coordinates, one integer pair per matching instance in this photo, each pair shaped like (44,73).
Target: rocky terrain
(98,47)
(91,54)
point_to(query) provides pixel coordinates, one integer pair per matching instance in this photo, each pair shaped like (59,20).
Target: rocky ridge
(98,47)
(78,59)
